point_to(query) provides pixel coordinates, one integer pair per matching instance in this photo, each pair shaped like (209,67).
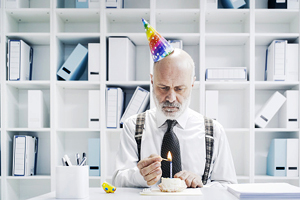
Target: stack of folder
(264,191)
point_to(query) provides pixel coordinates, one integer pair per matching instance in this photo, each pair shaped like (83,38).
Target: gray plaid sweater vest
(209,141)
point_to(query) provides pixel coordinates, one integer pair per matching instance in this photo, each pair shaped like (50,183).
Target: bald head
(177,60)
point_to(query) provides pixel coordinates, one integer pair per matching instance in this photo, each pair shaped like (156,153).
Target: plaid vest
(209,141)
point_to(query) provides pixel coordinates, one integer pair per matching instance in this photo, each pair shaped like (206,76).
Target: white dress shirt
(190,131)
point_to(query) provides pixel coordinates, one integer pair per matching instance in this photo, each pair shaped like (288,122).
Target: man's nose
(171,97)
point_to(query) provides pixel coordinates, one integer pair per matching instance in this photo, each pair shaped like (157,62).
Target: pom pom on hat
(159,46)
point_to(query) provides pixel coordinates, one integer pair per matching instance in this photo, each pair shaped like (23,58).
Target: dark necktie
(170,143)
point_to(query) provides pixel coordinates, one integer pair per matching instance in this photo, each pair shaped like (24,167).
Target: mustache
(168,104)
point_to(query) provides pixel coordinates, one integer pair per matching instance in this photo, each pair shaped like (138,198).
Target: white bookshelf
(213,37)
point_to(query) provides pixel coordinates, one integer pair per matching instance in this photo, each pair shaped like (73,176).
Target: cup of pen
(72,182)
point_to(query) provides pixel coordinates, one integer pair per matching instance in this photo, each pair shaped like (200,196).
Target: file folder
(94,3)
(94,61)
(114,102)
(289,111)
(94,109)
(226,74)
(19,62)
(269,109)
(276,160)
(82,3)
(233,3)
(24,155)
(94,156)
(212,104)
(292,57)
(137,104)
(17,4)
(75,64)
(114,3)
(36,109)
(277,4)
(292,158)
(121,59)
(276,61)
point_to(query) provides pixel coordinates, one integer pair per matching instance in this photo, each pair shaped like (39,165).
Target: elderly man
(172,123)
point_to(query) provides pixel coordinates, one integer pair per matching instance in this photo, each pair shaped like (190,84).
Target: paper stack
(264,190)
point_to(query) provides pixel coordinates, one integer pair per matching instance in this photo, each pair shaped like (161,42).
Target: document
(137,104)
(20,57)
(36,109)
(264,190)
(94,62)
(114,102)
(24,155)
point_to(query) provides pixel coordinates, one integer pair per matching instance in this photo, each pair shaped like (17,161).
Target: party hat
(159,46)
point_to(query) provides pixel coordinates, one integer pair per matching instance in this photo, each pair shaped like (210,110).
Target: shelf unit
(213,37)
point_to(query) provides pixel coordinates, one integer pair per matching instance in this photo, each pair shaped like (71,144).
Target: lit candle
(170,159)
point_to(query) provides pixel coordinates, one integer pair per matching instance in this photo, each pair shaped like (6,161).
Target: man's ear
(151,77)
(194,79)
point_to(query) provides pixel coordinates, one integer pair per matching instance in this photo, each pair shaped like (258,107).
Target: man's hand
(150,169)
(192,180)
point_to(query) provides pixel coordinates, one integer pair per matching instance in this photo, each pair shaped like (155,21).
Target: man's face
(172,86)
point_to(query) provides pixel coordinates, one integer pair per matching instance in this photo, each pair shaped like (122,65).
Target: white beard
(172,115)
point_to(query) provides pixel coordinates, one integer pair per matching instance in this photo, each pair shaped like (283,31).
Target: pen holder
(72,182)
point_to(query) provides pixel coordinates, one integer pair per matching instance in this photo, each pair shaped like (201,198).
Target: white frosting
(172,185)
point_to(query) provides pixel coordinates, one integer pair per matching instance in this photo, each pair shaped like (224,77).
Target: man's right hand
(150,169)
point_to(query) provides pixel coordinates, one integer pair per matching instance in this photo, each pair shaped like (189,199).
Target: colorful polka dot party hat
(159,46)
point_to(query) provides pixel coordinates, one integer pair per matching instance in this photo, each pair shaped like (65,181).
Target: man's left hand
(192,180)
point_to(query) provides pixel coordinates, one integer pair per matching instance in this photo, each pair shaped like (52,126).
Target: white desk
(134,194)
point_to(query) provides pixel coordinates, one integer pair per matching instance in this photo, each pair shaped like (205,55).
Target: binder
(212,104)
(292,158)
(121,59)
(114,102)
(24,155)
(114,3)
(292,62)
(36,109)
(276,61)
(94,3)
(82,3)
(176,43)
(276,160)
(289,111)
(94,109)
(17,4)
(269,109)
(277,4)
(233,3)
(137,104)
(226,74)
(94,62)
(293,4)
(75,64)
(19,62)
(94,156)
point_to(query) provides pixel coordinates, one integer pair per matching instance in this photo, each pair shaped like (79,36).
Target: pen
(83,161)
(83,156)
(68,162)
(77,158)
(63,161)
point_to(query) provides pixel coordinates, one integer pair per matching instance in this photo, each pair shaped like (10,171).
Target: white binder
(114,3)
(293,4)
(137,103)
(17,4)
(292,158)
(114,102)
(276,159)
(276,61)
(36,109)
(292,66)
(94,109)
(94,3)
(269,109)
(121,59)
(212,104)
(19,60)
(289,111)
(24,155)
(94,61)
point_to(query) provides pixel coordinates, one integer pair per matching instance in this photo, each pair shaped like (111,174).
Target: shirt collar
(181,120)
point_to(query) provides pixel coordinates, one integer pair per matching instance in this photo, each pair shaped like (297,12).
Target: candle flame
(169,156)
